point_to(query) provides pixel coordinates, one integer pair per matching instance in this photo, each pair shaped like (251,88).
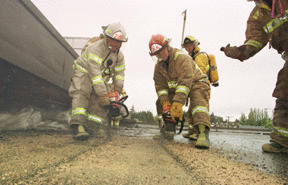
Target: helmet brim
(123,40)
(158,51)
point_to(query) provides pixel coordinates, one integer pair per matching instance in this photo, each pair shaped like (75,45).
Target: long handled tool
(184,23)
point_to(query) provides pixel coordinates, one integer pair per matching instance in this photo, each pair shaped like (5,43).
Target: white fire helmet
(115,31)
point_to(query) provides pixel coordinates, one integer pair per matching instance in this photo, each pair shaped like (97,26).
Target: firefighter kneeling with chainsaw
(98,71)
(177,78)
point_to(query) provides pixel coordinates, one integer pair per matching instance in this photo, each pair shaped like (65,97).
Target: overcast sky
(214,23)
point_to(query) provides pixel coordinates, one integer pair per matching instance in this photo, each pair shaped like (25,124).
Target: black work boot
(79,132)
(203,137)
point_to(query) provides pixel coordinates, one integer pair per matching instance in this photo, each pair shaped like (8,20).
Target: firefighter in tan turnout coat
(268,22)
(99,70)
(177,77)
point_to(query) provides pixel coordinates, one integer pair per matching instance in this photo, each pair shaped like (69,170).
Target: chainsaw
(170,124)
(115,112)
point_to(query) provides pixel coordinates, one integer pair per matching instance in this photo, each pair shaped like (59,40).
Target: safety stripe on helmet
(275,23)
(254,43)
(200,109)
(119,77)
(78,111)
(77,66)
(182,89)
(109,31)
(172,84)
(120,68)
(280,131)
(162,92)
(96,58)
(95,118)
(178,53)
(97,80)
(164,40)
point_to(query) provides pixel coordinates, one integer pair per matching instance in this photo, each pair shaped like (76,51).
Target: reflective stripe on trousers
(280,131)
(200,109)
(91,117)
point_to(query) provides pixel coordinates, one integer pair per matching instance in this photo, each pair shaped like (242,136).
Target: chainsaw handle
(167,117)
(181,125)
(113,103)
(124,98)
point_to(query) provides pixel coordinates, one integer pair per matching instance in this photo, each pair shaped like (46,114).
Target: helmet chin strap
(110,48)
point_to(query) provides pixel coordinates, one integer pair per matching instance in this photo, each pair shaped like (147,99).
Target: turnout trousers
(85,106)
(279,133)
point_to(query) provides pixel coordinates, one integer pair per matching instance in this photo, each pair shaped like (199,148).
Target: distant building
(77,43)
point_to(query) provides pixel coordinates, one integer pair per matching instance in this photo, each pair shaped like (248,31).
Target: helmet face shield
(190,40)
(186,42)
(161,54)
(155,49)
(157,43)
(118,36)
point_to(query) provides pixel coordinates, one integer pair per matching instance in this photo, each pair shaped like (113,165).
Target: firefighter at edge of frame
(268,22)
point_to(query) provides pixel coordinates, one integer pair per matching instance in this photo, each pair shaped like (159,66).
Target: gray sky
(215,23)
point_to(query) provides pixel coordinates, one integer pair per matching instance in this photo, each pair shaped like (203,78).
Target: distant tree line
(216,119)
(256,117)
(145,116)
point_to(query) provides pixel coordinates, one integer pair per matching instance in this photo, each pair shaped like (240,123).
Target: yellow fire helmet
(190,39)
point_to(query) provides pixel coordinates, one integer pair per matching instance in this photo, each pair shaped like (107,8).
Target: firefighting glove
(166,106)
(177,111)
(232,52)
(103,100)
